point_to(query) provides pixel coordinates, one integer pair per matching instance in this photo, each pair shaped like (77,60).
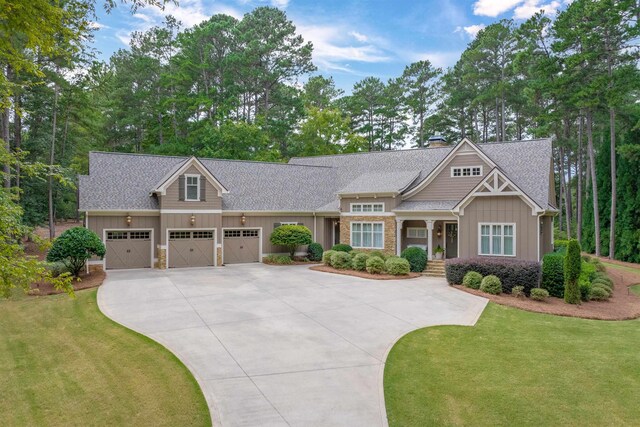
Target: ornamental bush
(342,247)
(278,259)
(379,254)
(518,291)
(602,286)
(560,245)
(74,247)
(553,274)
(375,265)
(341,260)
(314,252)
(326,257)
(599,294)
(397,266)
(572,268)
(491,285)
(417,258)
(604,280)
(511,272)
(291,237)
(472,280)
(359,262)
(585,291)
(539,294)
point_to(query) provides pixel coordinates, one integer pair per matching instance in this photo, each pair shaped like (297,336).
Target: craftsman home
(494,199)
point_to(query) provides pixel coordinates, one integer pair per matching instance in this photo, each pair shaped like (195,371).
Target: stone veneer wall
(389,230)
(162,258)
(219,256)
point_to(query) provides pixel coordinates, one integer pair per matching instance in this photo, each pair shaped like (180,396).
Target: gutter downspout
(314,227)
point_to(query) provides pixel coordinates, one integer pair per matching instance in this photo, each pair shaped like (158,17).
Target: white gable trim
(162,189)
(490,186)
(456,150)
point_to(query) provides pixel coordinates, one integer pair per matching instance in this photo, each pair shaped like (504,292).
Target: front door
(451,240)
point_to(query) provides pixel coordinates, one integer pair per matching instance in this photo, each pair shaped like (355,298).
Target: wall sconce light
(439,230)
(128,219)
(192,220)
(243,219)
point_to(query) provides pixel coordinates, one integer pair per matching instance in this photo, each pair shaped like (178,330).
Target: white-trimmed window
(457,171)
(367,235)
(288,223)
(497,239)
(367,207)
(416,232)
(192,188)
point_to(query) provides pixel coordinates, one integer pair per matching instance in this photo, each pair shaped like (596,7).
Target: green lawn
(622,267)
(516,368)
(636,289)
(64,363)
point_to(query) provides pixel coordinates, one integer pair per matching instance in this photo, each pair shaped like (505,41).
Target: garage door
(241,246)
(128,249)
(191,249)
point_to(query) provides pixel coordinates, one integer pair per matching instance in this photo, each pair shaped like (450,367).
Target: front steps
(435,268)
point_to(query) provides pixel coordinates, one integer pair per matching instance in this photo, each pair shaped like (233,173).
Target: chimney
(437,141)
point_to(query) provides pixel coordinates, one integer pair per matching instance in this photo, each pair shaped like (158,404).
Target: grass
(635,289)
(64,363)
(516,368)
(621,267)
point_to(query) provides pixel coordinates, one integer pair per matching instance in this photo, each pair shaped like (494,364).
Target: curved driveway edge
(272,345)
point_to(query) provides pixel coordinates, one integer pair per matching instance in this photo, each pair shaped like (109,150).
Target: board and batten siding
(389,202)
(171,200)
(183,221)
(546,235)
(446,187)
(499,209)
(98,223)
(267,225)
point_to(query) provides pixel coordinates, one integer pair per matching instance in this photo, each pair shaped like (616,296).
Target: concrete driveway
(275,345)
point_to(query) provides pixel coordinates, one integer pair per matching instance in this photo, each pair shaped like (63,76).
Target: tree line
(248,89)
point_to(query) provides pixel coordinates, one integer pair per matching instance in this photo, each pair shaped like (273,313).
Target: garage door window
(116,235)
(139,235)
(203,234)
(178,235)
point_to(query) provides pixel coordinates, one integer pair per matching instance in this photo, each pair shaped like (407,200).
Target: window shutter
(181,188)
(276,225)
(203,188)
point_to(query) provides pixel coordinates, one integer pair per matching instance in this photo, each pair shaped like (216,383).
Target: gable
(197,168)
(211,199)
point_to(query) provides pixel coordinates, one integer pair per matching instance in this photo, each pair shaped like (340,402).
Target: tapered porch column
(399,236)
(429,238)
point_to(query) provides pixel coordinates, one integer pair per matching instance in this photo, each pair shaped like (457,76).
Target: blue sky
(352,38)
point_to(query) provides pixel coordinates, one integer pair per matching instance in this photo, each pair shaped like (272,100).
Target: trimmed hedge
(379,254)
(518,291)
(341,247)
(417,258)
(397,266)
(375,265)
(560,245)
(599,294)
(314,252)
(491,285)
(291,237)
(539,294)
(553,274)
(472,280)
(326,257)
(341,260)
(511,272)
(278,259)
(585,291)
(359,262)
(572,268)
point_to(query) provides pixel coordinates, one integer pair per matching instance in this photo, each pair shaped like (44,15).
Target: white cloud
(358,36)
(470,30)
(282,4)
(493,8)
(437,58)
(94,25)
(530,7)
(524,9)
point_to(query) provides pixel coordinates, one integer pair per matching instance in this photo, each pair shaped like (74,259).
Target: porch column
(399,236)
(429,238)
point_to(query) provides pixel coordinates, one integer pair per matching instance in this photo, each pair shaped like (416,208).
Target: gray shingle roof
(380,182)
(426,205)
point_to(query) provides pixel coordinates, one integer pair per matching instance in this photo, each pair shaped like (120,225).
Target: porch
(428,233)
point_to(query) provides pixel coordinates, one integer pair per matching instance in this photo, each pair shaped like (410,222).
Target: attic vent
(437,141)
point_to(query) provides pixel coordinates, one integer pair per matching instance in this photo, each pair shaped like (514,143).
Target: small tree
(74,247)
(291,236)
(572,267)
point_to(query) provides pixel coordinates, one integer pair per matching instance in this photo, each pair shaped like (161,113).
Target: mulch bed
(91,280)
(363,274)
(623,304)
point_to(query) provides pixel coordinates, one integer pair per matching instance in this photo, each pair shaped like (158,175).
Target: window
(497,239)
(367,235)
(179,235)
(416,233)
(288,223)
(249,233)
(117,235)
(367,207)
(232,233)
(466,171)
(203,234)
(140,235)
(192,187)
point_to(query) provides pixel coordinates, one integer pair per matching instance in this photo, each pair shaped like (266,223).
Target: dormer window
(457,171)
(192,188)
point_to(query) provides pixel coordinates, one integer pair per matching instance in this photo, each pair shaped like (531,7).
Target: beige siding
(171,200)
(267,223)
(500,209)
(389,202)
(417,223)
(546,235)
(99,223)
(172,221)
(446,187)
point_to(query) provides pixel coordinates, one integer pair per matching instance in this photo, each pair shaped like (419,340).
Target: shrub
(342,247)
(326,257)
(359,262)
(57,268)
(291,236)
(598,265)
(472,280)
(278,259)
(599,294)
(379,254)
(587,272)
(585,291)
(417,258)
(375,265)
(599,275)
(560,245)
(314,252)
(607,282)
(602,286)
(341,260)
(518,291)
(586,258)
(74,247)
(397,266)
(511,272)
(539,294)
(491,285)
(553,274)
(572,267)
